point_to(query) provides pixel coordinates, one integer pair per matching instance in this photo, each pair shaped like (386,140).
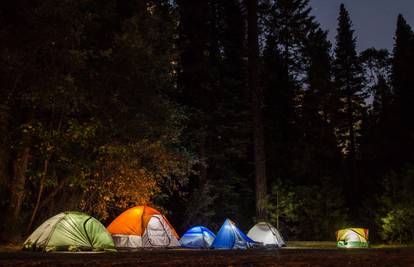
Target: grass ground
(297,254)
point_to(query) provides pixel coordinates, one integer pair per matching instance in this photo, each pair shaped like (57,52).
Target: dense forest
(206,110)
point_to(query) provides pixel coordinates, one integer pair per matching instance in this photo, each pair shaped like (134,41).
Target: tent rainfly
(197,237)
(231,237)
(352,238)
(142,226)
(70,231)
(266,234)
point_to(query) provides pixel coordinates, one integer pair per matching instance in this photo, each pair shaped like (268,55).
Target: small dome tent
(142,226)
(352,238)
(230,237)
(266,234)
(197,237)
(70,231)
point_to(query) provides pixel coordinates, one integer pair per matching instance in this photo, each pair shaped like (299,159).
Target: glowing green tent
(352,238)
(70,231)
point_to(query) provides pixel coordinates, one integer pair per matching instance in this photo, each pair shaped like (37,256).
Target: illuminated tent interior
(231,237)
(266,234)
(197,237)
(352,238)
(142,226)
(70,231)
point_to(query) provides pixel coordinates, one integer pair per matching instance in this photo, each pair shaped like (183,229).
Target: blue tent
(197,237)
(230,237)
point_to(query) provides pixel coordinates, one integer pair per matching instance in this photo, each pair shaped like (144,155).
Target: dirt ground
(296,257)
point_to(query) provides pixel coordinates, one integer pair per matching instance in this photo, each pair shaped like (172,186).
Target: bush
(308,212)
(398,225)
(396,215)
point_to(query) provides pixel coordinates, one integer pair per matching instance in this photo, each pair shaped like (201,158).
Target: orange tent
(142,226)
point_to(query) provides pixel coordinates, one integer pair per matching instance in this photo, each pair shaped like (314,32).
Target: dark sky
(374,20)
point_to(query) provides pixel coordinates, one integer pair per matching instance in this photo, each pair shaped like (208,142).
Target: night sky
(373,20)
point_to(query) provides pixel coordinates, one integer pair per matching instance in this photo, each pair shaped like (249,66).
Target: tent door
(156,233)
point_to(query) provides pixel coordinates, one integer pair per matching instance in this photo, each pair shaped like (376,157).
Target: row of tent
(231,237)
(143,226)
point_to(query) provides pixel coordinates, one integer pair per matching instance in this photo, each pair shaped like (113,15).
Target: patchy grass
(392,245)
(311,244)
(331,244)
(10,247)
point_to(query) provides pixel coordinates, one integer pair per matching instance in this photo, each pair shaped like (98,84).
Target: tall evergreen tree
(195,95)
(376,64)
(348,80)
(233,142)
(290,22)
(403,86)
(379,133)
(288,26)
(213,89)
(279,112)
(321,156)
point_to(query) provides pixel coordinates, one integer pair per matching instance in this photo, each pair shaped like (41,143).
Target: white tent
(266,234)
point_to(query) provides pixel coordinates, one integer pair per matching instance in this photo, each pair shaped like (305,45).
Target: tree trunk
(256,106)
(202,152)
(19,182)
(39,195)
(50,197)
(17,193)
(4,171)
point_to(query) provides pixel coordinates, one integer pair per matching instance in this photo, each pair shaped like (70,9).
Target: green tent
(70,231)
(352,238)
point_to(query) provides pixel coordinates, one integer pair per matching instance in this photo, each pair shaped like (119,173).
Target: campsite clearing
(294,257)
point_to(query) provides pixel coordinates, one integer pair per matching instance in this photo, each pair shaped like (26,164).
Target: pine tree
(279,112)
(290,23)
(348,81)
(288,27)
(376,64)
(378,130)
(195,95)
(319,76)
(233,143)
(321,156)
(403,84)
(212,80)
